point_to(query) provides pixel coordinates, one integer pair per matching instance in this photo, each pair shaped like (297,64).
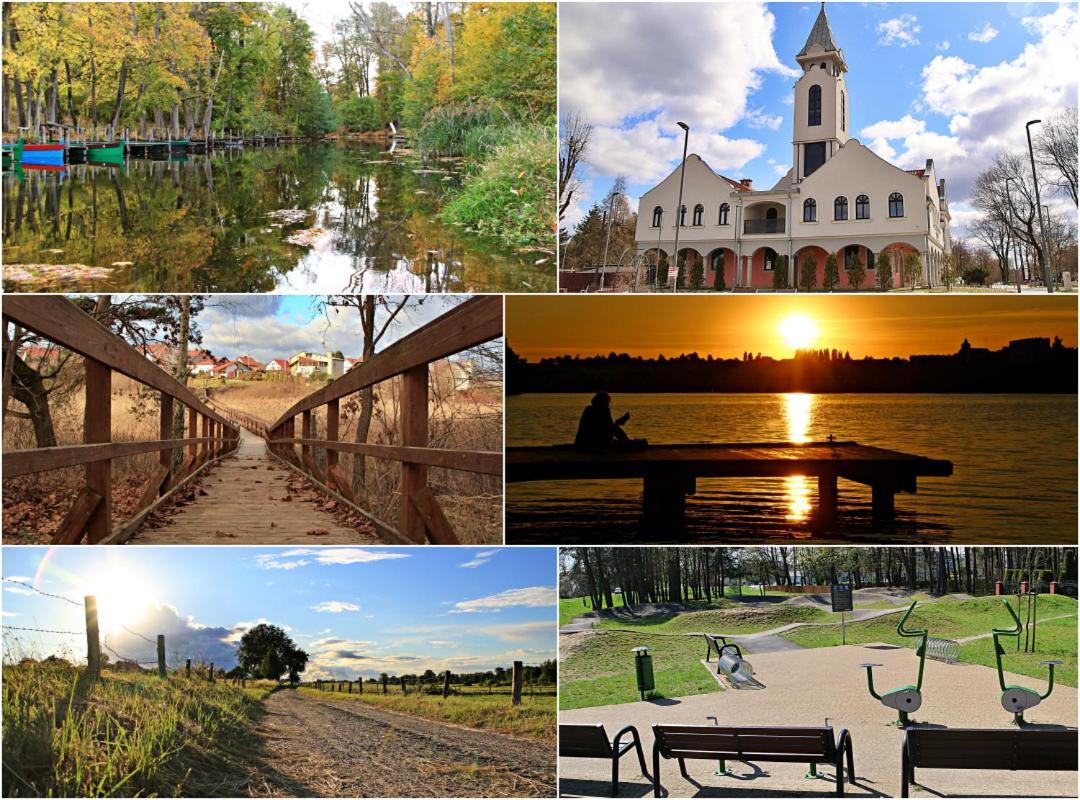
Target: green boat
(105,152)
(13,152)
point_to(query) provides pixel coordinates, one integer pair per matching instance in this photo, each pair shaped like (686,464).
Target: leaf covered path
(251,498)
(346,748)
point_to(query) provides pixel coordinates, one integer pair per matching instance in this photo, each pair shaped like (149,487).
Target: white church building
(838,197)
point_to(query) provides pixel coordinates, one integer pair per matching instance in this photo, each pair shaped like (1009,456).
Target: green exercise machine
(905,699)
(1017,699)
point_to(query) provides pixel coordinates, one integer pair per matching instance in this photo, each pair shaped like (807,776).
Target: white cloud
(334,606)
(12,584)
(944,46)
(479,559)
(533,596)
(238,629)
(987,33)
(518,632)
(10,613)
(758,118)
(302,556)
(902,31)
(779,169)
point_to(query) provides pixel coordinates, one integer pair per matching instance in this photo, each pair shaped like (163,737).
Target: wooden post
(165,431)
(446,684)
(883,500)
(93,643)
(414,433)
(193,432)
(332,415)
(204,450)
(515,696)
(97,429)
(360,685)
(161,655)
(187,668)
(384,685)
(827,498)
(305,432)
(211,672)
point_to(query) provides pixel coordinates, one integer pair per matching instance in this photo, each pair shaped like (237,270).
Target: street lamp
(679,206)
(607,239)
(1038,204)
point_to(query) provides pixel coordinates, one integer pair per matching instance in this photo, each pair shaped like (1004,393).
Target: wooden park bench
(752,743)
(997,748)
(591,741)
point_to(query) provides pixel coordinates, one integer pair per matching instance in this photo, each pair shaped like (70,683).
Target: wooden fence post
(165,431)
(161,655)
(204,450)
(187,669)
(414,433)
(305,450)
(384,685)
(332,417)
(360,685)
(93,644)
(516,684)
(193,432)
(97,429)
(446,684)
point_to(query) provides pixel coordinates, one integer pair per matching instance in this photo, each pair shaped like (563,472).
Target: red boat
(40,147)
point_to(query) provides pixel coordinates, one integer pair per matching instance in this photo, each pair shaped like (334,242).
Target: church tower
(822,107)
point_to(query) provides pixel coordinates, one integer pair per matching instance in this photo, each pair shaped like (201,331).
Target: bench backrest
(584,741)
(973,748)
(766,743)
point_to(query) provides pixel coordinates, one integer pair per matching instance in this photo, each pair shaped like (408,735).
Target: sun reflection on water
(797,488)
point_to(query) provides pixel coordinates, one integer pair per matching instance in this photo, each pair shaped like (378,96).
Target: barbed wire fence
(95,642)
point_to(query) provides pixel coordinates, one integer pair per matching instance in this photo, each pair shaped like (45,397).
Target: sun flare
(798,331)
(122,597)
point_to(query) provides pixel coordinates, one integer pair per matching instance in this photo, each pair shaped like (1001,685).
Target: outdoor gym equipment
(905,699)
(1017,699)
(730,662)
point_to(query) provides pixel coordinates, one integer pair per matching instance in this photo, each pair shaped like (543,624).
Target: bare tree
(577,131)
(381,38)
(993,231)
(1006,191)
(1055,152)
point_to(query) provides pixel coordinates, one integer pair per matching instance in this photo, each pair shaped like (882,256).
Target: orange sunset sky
(725,327)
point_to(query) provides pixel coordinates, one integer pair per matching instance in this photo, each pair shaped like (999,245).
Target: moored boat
(53,153)
(111,152)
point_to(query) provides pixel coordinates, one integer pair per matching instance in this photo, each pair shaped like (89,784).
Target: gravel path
(349,749)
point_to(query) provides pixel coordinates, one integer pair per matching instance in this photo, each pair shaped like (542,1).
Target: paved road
(345,748)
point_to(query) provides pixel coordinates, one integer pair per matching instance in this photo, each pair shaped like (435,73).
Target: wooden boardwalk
(248,500)
(669,472)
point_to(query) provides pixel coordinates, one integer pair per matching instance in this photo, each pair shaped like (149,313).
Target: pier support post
(664,497)
(828,499)
(884,501)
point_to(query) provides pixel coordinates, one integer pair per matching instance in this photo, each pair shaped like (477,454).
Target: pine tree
(884,271)
(912,269)
(718,278)
(779,276)
(855,273)
(832,278)
(697,274)
(807,274)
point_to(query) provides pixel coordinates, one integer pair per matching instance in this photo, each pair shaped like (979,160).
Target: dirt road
(349,749)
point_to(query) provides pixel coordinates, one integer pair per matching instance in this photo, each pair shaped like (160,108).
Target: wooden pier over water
(670,472)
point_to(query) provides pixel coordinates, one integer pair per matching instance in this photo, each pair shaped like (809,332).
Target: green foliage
(697,274)
(808,273)
(855,272)
(266,651)
(512,196)
(360,114)
(976,275)
(948,271)
(831,279)
(779,276)
(912,269)
(466,130)
(680,273)
(884,271)
(718,276)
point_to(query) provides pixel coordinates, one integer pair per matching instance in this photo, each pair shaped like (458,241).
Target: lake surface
(363,220)
(1014,468)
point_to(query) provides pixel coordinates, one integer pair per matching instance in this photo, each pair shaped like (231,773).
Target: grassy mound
(511,198)
(730,618)
(123,734)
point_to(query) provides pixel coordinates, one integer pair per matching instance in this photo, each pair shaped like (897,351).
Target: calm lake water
(1014,468)
(205,224)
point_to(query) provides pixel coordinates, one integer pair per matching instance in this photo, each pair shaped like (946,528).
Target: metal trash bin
(643,670)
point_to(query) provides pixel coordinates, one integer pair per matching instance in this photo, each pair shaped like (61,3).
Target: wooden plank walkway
(670,472)
(245,503)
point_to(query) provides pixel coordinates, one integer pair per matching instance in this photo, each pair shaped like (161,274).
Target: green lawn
(955,619)
(600,670)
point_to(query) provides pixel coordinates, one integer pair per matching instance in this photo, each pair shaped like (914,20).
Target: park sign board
(841,597)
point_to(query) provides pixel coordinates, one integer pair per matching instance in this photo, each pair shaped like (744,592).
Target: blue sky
(950,81)
(356,611)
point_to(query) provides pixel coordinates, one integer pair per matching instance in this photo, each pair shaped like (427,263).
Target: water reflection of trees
(201,224)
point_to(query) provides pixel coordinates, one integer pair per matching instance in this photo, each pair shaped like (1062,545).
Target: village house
(203,366)
(838,197)
(327,362)
(279,366)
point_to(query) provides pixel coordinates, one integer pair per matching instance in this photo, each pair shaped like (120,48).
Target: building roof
(820,35)
(279,361)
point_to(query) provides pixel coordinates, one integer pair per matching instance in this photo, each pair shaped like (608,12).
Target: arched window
(813,111)
(682,217)
(809,210)
(657,215)
(699,212)
(862,207)
(896,204)
(840,208)
(724,208)
(843,112)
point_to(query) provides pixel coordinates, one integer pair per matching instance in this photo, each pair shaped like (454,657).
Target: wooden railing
(209,434)
(420,517)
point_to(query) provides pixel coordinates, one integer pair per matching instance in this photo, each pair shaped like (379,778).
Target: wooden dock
(670,472)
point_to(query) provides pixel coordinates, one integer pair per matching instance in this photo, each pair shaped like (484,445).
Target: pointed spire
(820,34)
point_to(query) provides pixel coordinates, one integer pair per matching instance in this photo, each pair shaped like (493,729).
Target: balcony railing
(763,226)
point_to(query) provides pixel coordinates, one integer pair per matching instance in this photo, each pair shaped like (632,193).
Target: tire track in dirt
(350,749)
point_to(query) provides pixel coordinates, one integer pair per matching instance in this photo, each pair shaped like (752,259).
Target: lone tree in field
(266,651)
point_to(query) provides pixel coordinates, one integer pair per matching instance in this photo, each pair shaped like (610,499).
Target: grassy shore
(534,718)
(124,734)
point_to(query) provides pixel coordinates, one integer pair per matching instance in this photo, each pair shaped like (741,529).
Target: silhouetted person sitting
(597,431)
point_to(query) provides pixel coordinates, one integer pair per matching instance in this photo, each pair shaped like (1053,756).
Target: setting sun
(798,331)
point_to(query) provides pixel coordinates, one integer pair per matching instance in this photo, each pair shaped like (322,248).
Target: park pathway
(346,748)
(247,496)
